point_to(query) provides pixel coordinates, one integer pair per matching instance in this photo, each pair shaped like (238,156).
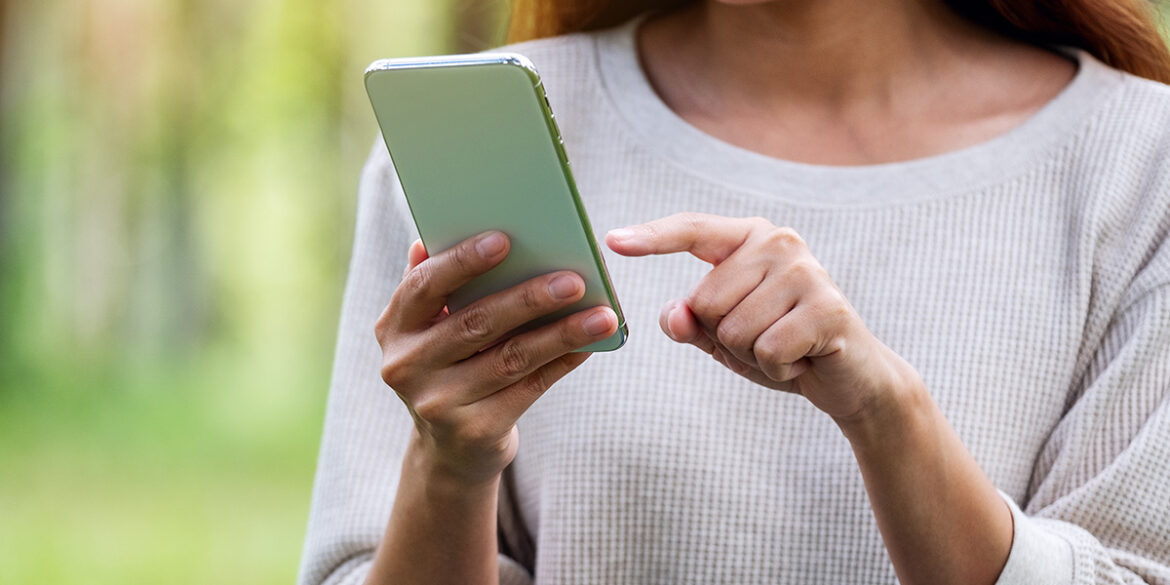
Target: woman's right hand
(465,399)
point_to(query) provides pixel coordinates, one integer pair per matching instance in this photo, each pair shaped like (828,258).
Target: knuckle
(693,220)
(431,409)
(418,279)
(804,270)
(839,308)
(786,237)
(535,383)
(474,324)
(760,223)
(703,303)
(381,328)
(513,360)
(392,373)
(465,259)
(530,297)
(571,333)
(839,315)
(776,344)
(397,369)
(731,333)
(831,308)
(652,230)
(836,344)
(767,354)
(775,371)
(384,330)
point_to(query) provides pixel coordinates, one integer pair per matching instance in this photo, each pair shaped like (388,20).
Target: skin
(769,311)
(465,400)
(844,82)
(833,82)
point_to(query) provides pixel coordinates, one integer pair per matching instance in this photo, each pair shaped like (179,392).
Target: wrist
(894,410)
(443,478)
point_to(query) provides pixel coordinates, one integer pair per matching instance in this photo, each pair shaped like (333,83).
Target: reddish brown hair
(1121,33)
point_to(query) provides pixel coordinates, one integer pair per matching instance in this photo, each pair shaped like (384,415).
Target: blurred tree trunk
(6,248)
(4,36)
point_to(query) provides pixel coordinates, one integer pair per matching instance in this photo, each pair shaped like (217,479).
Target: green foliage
(177,188)
(145,483)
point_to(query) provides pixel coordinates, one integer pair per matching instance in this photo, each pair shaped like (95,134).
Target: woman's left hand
(768,311)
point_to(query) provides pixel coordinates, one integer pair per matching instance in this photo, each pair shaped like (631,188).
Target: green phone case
(476,148)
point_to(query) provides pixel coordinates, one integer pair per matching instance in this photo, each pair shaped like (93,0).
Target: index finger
(711,238)
(424,289)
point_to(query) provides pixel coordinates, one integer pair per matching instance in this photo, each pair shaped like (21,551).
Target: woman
(943,225)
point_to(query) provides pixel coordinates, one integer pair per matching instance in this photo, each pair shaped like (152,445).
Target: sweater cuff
(1037,557)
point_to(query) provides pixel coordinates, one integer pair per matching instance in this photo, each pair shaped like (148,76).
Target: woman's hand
(769,312)
(464,390)
(465,382)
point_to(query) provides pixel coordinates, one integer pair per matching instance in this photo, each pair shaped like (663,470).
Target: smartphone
(476,147)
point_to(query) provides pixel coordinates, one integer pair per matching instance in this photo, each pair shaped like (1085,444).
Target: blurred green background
(177,190)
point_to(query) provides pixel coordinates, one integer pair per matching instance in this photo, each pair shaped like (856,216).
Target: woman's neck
(847,81)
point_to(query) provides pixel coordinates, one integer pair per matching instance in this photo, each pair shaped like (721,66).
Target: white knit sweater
(1027,279)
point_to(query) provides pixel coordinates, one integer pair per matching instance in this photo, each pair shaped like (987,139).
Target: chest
(656,449)
(983,293)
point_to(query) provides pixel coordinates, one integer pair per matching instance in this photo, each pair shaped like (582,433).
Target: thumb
(678,323)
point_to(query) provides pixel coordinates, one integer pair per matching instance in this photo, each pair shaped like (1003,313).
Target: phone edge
(526,64)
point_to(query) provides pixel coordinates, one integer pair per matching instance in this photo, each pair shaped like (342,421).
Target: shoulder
(1144,93)
(1126,136)
(1133,118)
(558,53)
(1124,169)
(567,65)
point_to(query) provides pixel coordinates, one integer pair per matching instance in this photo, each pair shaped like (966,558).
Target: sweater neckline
(664,133)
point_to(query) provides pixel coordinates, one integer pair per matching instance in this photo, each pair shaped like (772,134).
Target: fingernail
(490,245)
(622,234)
(562,287)
(596,324)
(669,326)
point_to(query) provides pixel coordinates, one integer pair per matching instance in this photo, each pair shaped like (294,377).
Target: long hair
(1121,33)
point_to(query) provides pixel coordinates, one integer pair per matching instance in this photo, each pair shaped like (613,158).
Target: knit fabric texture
(1026,278)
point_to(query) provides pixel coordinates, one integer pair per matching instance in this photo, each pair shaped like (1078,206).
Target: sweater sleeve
(366,425)
(1099,505)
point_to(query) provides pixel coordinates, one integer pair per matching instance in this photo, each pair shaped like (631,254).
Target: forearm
(440,530)
(940,517)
